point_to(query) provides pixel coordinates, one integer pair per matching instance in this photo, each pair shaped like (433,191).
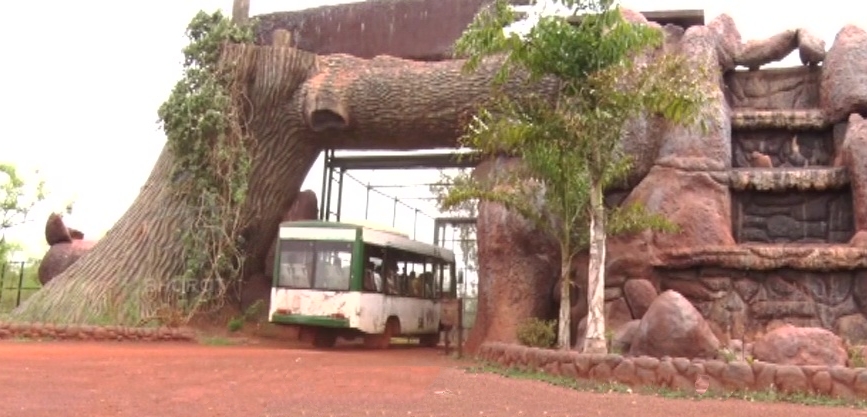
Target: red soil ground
(50,379)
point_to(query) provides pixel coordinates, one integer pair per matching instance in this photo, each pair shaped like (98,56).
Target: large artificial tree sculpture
(243,130)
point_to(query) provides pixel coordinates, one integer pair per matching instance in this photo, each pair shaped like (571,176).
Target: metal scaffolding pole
(326,166)
(339,193)
(367,201)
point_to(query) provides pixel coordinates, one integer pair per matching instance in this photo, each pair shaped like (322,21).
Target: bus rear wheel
(383,340)
(323,338)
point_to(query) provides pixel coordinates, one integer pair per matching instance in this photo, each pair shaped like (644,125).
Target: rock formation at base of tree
(67,245)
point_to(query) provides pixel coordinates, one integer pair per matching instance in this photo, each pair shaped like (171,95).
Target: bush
(534,332)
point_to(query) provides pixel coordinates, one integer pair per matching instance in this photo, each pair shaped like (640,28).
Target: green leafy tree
(570,144)
(16,202)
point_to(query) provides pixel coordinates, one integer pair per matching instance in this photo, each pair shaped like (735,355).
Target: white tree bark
(563,337)
(594,341)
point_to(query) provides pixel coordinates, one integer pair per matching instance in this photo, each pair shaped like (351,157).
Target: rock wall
(743,304)
(793,216)
(785,148)
(683,374)
(775,237)
(87,333)
(774,88)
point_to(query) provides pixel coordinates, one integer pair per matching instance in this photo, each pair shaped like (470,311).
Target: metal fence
(18,280)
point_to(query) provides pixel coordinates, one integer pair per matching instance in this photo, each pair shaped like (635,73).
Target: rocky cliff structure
(66,246)
(769,201)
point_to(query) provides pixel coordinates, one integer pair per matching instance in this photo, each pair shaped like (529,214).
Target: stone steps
(781,179)
(794,120)
(766,256)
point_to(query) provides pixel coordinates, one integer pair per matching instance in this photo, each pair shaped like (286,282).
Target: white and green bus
(353,280)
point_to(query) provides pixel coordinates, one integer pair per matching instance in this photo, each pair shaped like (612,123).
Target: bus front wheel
(429,340)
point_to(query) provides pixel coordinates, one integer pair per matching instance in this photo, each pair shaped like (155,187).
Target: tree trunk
(300,104)
(564,337)
(594,341)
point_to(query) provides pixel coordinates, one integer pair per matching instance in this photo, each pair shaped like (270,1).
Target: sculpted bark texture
(300,103)
(516,268)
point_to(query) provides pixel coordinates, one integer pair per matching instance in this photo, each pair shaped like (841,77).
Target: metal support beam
(339,193)
(412,161)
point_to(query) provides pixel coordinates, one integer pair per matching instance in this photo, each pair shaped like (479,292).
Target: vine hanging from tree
(204,122)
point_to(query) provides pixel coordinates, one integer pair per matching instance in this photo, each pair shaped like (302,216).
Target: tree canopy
(609,71)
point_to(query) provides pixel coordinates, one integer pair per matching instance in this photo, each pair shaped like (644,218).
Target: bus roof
(385,237)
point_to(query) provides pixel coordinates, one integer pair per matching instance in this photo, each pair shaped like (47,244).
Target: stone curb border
(93,333)
(681,373)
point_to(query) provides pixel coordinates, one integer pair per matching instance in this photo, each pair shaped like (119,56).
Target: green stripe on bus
(310,320)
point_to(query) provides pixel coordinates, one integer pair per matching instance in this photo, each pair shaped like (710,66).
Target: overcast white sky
(83,81)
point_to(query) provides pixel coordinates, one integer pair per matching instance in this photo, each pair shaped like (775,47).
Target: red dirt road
(168,380)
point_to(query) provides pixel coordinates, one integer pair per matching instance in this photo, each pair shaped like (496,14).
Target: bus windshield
(310,264)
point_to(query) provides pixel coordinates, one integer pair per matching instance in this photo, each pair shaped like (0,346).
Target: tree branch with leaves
(14,204)
(570,145)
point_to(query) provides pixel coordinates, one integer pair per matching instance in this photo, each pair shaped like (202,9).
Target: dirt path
(86,379)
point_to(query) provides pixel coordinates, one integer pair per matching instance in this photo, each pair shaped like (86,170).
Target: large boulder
(639,294)
(56,231)
(66,246)
(728,40)
(790,345)
(60,256)
(811,48)
(673,327)
(694,201)
(759,52)
(854,158)
(688,147)
(621,340)
(844,75)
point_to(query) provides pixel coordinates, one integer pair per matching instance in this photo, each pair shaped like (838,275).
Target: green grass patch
(613,387)
(217,341)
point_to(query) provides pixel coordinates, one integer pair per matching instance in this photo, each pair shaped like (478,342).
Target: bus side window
(445,280)
(391,280)
(373,278)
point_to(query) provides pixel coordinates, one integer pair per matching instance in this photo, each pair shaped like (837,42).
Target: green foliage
(14,204)
(205,127)
(534,332)
(570,142)
(236,324)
